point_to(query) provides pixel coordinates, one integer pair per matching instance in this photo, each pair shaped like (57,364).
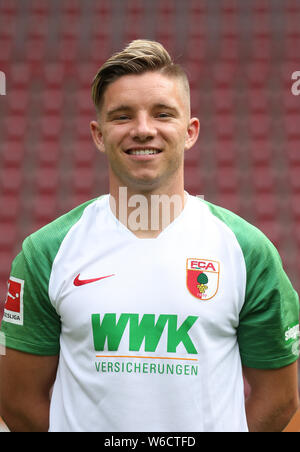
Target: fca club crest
(202,278)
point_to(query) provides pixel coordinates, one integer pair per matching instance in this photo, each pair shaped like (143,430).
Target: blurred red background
(240,56)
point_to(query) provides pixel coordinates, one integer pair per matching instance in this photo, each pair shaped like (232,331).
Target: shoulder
(48,239)
(253,241)
(270,308)
(262,260)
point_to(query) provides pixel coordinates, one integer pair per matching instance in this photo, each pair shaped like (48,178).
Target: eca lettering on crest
(202,265)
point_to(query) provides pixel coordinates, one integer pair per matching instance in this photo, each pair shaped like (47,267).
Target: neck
(146,214)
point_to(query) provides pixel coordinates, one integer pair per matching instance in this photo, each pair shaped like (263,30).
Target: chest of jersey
(149,320)
(177,295)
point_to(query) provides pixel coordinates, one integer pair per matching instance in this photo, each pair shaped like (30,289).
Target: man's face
(144,127)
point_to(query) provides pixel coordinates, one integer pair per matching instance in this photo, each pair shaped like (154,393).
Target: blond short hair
(138,57)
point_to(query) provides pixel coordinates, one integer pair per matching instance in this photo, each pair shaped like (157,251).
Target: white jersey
(151,333)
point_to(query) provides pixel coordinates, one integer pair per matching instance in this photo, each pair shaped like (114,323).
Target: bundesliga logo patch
(13,308)
(202,278)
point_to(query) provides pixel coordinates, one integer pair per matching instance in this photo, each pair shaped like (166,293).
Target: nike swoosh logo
(81,282)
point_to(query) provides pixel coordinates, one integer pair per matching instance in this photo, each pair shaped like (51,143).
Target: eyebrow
(117,109)
(166,107)
(127,108)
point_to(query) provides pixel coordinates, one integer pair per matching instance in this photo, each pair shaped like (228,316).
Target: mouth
(146,151)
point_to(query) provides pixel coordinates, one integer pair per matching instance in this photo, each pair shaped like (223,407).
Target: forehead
(147,88)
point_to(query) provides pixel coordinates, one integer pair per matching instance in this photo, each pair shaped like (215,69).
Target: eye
(122,118)
(164,115)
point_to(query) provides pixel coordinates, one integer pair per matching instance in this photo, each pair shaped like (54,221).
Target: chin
(145,181)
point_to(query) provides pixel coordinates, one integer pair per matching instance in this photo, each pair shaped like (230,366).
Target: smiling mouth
(143,151)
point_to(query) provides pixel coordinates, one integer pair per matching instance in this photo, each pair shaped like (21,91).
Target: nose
(143,128)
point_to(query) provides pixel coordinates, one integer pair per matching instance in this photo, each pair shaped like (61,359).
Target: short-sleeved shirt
(151,334)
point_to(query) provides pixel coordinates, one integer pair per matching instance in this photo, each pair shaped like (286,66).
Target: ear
(97,135)
(193,131)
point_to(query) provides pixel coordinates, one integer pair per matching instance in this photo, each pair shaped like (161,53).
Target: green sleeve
(268,331)
(39,330)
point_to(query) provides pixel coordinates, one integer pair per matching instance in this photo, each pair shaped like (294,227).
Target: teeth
(144,152)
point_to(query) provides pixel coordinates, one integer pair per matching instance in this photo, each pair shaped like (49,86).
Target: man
(143,307)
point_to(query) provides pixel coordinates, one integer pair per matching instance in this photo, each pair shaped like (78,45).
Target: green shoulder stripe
(40,331)
(271,305)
